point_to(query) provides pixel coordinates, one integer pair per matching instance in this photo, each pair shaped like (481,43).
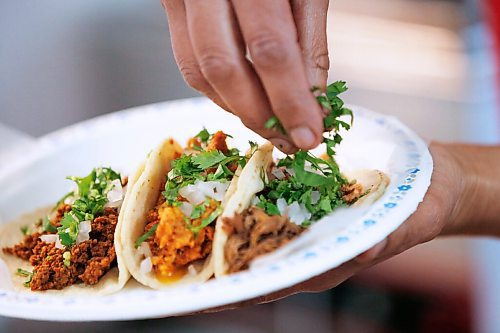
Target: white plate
(123,139)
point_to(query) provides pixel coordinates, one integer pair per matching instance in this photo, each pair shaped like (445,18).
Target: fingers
(310,18)
(183,52)
(271,37)
(220,53)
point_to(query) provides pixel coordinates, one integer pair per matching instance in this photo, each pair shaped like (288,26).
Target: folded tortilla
(251,182)
(113,281)
(143,198)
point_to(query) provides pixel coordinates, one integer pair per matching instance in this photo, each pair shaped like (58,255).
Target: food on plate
(168,227)
(74,245)
(276,200)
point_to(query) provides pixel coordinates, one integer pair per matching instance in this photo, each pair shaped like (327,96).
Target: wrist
(474,189)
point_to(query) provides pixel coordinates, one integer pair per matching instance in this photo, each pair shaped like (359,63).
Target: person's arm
(287,43)
(463,199)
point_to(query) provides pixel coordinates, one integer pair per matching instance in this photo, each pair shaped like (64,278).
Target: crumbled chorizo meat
(351,192)
(24,249)
(218,142)
(254,233)
(89,260)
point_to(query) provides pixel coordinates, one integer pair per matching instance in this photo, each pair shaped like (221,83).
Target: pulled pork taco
(74,246)
(275,201)
(169,227)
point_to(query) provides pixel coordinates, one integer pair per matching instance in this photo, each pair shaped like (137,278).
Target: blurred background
(431,63)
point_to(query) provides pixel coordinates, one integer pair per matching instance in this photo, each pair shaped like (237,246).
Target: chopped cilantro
(68,231)
(25,230)
(191,167)
(27,274)
(145,236)
(91,197)
(269,207)
(204,222)
(274,123)
(47,226)
(203,135)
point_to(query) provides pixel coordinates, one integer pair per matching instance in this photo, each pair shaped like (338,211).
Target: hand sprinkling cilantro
(311,181)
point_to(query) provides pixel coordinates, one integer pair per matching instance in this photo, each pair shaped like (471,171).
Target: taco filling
(179,230)
(75,244)
(298,191)
(291,194)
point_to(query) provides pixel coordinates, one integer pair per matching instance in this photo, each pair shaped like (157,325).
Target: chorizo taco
(72,247)
(169,226)
(276,201)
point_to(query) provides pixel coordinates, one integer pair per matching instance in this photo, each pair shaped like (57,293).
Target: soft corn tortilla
(144,197)
(10,234)
(251,182)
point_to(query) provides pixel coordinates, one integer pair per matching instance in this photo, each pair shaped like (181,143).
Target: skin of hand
(287,44)
(461,200)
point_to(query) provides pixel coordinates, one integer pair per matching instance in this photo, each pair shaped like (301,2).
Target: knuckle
(268,49)
(192,75)
(217,66)
(320,60)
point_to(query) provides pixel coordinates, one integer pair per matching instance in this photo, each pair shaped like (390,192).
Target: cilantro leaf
(47,226)
(203,135)
(25,230)
(145,236)
(27,274)
(208,159)
(68,231)
(274,123)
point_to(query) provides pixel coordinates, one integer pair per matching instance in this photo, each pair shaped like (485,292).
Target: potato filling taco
(169,226)
(74,243)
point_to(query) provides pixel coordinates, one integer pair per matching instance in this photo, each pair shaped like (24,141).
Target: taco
(168,227)
(276,201)
(72,247)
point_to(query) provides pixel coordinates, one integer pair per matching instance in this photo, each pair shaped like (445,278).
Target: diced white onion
(144,250)
(186,208)
(255,201)
(197,193)
(52,238)
(146,266)
(282,205)
(115,195)
(295,212)
(84,229)
(192,271)
(315,197)
(278,173)
(291,172)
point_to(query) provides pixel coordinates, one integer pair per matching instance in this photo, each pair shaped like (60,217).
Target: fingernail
(372,253)
(303,137)
(283,145)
